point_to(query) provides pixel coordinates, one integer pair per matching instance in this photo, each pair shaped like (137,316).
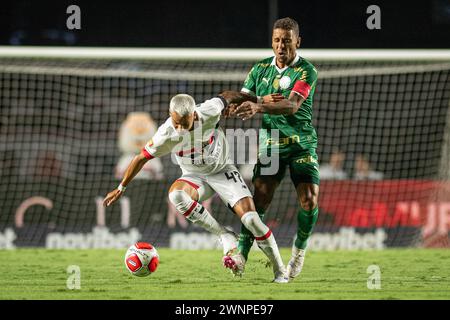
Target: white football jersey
(204,150)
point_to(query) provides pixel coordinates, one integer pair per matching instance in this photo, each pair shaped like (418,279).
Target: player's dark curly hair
(287,24)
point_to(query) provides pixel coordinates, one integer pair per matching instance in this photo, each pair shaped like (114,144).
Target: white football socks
(195,212)
(264,238)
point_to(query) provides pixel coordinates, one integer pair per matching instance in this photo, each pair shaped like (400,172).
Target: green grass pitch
(198,275)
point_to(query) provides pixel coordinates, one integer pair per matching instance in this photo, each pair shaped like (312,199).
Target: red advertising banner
(388,204)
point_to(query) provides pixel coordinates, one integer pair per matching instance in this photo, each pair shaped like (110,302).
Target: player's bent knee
(264,191)
(254,224)
(262,201)
(308,195)
(181,200)
(249,219)
(243,206)
(309,203)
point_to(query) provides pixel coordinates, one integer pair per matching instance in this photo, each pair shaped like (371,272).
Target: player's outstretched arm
(236,97)
(135,166)
(284,106)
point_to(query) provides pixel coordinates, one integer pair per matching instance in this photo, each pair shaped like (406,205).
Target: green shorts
(303,167)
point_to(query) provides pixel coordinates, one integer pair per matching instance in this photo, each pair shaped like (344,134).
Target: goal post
(71,120)
(186,54)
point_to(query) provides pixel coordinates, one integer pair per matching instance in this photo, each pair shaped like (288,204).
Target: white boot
(232,259)
(295,264)
(281,276)
(229,241)
(235,262)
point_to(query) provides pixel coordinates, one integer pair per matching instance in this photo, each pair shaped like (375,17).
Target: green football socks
(306,222)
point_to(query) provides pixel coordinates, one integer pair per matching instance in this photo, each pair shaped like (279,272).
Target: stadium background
(60,127)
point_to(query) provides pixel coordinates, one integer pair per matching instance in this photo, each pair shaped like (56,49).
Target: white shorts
(228,184)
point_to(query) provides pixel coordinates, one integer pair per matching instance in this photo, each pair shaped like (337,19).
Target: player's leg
(305,176)
(232,189)
(245,209)
(186,194)
(265,187)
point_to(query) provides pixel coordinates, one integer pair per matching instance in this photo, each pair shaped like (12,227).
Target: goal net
(71,120)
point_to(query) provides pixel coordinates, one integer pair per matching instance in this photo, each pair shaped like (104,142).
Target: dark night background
(59,128)
(225,24)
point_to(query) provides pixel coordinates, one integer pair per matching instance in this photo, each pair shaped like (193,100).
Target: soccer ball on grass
(141,259)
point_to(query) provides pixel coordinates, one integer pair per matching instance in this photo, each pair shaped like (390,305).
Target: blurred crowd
(362,168)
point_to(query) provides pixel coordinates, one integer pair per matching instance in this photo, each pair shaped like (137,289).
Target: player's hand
(274,97)
(112,197)
(247,110)
(229,111)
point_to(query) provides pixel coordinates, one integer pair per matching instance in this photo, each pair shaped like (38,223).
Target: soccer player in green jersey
(282,89)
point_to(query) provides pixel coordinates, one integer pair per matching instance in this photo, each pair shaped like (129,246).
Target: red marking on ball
(153,264)
(143,245)
(133,262)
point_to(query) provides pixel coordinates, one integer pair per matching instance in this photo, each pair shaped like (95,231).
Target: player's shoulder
(166,129)
(305,65)
(264,63)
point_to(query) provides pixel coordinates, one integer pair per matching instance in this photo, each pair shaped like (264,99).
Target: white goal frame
(220,54)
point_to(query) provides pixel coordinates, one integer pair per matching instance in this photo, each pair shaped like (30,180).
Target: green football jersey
(295,131)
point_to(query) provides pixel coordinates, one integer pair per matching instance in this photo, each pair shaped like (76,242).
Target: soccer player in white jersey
(192,134)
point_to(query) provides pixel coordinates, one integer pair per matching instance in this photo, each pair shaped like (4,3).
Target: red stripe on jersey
(184,152)
(264,237)
(189,183)
(147,154)
(187,213)
(302,88)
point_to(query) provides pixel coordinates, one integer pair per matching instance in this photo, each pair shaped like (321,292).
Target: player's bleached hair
(287,24)
(183,104)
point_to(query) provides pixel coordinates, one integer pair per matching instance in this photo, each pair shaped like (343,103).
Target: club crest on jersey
(276,82)
(285,82)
